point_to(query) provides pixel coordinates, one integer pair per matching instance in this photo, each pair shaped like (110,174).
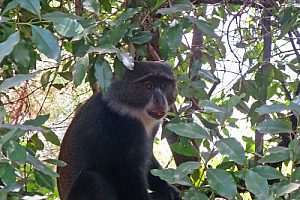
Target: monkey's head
(145,92)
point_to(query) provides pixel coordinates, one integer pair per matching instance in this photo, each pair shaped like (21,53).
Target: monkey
(108,145)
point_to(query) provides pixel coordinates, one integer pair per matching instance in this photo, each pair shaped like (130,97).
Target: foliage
(237,66)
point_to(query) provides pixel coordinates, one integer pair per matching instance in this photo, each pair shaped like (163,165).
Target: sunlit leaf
(67,27)
(92,6)
(126,59)
(46,42)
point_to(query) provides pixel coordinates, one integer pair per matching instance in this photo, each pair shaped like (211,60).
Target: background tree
(234,129)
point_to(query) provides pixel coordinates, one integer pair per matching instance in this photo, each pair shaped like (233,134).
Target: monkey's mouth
(156,114)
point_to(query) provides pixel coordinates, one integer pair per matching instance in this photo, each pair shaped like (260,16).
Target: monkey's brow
(155,75)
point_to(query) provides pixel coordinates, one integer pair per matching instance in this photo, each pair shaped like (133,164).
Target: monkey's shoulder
(95,116)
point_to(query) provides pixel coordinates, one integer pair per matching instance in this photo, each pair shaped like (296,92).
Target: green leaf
(16,80)
(233,101)
(198,196)
(126,59)
(50,136)
(222,182)
(194,194)
(24,55)
(38,121)
(287,189)
(142,37)
(156,4)
(170,176)
(268,172)
(92,6)
(8,136)
(16,152)
(8,45)
(23,127)
(45,79)
(11,5)
(44,180)
(204,27)
(187,168)
(58,163)
(189,130)
(175,8)
(116,34)
(9,176)
(174,36)
(166,175)
(274,126)
(233,149)
(59,15)
(128,14)
(267,109)
(210,107)
(37,164)
(296,175)
(275,157)
(80,69)
(35,143)
(184,149)
(103,73)
(32,6)
(104,49)
(46,42)
(257,184)
(67,27)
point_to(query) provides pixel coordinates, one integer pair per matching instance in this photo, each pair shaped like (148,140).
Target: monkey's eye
(163,86)
(148,85)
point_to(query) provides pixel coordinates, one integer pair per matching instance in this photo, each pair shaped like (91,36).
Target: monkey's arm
(161,186)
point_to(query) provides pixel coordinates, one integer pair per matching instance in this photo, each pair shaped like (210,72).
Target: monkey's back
(101,140)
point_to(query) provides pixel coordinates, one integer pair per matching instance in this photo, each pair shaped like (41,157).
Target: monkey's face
(159,94)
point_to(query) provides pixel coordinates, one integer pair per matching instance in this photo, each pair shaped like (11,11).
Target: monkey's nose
(158,98)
